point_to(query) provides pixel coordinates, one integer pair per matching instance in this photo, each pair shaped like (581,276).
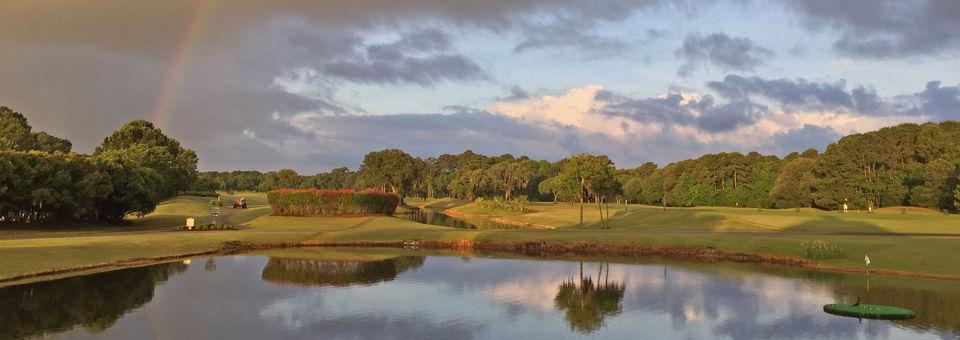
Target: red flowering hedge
(314,202)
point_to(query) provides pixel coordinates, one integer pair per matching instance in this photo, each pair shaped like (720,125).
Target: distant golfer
(845,207)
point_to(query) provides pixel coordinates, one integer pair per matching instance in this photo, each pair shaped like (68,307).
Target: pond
(397,294)
(434,217)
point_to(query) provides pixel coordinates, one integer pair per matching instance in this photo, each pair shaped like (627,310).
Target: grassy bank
(768,232)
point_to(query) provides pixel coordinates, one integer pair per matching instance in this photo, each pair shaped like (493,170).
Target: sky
(314,85)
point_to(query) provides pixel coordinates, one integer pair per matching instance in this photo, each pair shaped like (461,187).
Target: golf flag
(866,258)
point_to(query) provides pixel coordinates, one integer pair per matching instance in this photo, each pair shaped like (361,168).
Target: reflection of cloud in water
(537,293)
(758,307)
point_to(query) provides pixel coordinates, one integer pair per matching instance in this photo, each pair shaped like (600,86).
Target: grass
(773,232)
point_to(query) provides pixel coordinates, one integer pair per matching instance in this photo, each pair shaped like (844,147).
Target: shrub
(314,202)
(497,203)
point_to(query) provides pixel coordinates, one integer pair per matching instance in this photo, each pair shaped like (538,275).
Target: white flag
(866,258)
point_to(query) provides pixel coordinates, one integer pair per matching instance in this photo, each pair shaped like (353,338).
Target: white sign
(190,223)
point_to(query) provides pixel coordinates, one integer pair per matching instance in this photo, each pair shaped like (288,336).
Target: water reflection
(432,217)
(311,272)
(585,304)
(395,294)
(94,301)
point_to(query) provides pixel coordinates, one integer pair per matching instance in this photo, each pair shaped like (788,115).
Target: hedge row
(314,202)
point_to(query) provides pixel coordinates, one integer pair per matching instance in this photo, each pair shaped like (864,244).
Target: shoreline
(537,249)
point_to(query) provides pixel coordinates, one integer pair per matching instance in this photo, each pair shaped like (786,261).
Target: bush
(497,203)
(819,250)
(314,202)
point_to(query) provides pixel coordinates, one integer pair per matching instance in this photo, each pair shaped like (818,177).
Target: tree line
(42,181)
(908,165)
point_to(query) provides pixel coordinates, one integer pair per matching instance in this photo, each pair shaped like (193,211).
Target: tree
(956,194)
(795,185)
(14,131)
(49,143)
(549,186)
(591,175)
(390,169)
(140,143)
(287,178)
(15,134)
(508,176)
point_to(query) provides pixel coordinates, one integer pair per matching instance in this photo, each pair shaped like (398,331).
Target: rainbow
(191,35)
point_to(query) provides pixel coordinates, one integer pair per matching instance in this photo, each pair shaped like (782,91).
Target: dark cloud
(808,136)
(799,93)
(420,57)
(516,93)
(935,101)
(941,102)
(886,28)
(704,114)
(725,117)
(570,35)
(720,50)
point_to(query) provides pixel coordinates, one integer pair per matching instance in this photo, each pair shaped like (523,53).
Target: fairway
(769,232)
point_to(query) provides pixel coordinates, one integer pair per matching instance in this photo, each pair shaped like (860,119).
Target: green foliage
(228,181)
(16,135)
(956,194)
(724,179)
(496,203)
(908,164)
(509,176)
(14,131)
(216,202)
(40,187)
(820,250)
(587,176)
(141,144)
(391,170)
(313,202)
(795,185)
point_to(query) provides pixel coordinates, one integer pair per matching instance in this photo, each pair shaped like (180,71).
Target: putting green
(865,311)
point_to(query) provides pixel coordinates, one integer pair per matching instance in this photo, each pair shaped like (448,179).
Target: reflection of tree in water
(210,265)
(337,273)
(95,301)
(586,303)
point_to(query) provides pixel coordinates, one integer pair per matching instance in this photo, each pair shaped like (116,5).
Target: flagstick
(866,259)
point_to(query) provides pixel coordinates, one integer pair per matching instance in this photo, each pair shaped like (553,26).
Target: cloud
(702,114)
(808,136)
(885,28)
(569,35)
(935,102)
(799,93)
(942,102)
(720,50)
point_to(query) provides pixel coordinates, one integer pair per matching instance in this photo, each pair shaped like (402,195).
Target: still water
(435,217)
(394,294)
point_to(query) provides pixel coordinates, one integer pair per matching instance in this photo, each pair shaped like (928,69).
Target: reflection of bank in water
(336,272)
